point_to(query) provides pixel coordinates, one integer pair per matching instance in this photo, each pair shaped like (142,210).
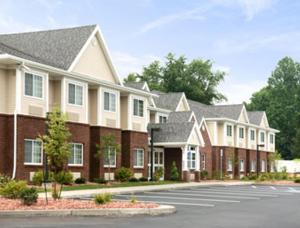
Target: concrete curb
(110,212)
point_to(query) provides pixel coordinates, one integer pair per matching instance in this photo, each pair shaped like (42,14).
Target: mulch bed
(64,204)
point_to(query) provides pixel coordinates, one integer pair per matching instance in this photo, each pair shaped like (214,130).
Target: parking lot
(214,206)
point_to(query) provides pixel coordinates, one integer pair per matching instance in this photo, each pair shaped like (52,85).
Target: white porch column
(197,168)
(184,158)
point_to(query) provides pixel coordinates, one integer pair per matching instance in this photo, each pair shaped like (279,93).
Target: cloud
(127,63)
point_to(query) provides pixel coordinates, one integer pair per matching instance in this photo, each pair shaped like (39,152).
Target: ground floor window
(138,158)
(110,157)
(33,152)
(191,158)
(203,157)
(242,165)
(263,165)
(229,165)
(76,157)
(253,165)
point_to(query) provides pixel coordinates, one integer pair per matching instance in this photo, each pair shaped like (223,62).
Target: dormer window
(162,119)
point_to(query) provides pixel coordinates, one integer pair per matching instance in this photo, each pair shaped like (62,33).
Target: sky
(244,38)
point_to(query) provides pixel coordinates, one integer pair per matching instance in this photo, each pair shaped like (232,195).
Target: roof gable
(168,101)
(183,105)
(243,116)
(264,121)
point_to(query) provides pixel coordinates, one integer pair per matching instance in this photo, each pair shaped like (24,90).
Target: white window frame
(76,84)
(136,150)
(253,165)
(263,166)
(110,107)
(34,74)
(260,134)
(252,130)
(72,151)
(32,152)
(242,167)
(115,161)
(203,161)
(191,163)
(138,108)
(241,129)
(272,141)
(231,130)
(229,165)
(164,118)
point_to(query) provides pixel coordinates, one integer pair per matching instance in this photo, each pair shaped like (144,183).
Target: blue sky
(245,38)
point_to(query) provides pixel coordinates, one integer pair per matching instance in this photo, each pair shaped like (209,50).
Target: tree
(132,77)
(280,100)
(196,78)
(57,149)
(174,172)
(108,146)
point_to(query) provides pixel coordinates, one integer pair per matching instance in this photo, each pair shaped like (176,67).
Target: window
(110,157)
(191,158)
(263,165)
(229,130)
(241,133)
(109,102)
(76,154)
(33,85)
(138,107)
(262,137)
(75,94)
(271,138)
(162,119)
(203,162)
(33,151)
(138,158)
(242,165)
(253,165)
(229,165)
(252,135)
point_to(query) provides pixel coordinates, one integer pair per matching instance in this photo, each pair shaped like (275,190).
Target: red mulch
(63,204)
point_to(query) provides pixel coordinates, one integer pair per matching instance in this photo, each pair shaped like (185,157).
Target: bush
(63,177)
(12,189)
(100,180)
(4,180)
(38,178)
(203,174)
(174,172)
(133,179)
(80,180)
(158,174)
(123,174)
(103,198)
(29,196)
(297,180)
(143,179)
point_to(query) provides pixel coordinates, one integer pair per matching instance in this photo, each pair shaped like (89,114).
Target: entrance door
(158,161)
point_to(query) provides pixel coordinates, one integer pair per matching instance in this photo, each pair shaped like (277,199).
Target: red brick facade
(171,155)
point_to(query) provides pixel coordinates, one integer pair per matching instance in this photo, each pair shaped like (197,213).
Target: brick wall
(207,151)
(173,154)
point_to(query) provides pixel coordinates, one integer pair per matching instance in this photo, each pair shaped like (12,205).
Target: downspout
(15,145)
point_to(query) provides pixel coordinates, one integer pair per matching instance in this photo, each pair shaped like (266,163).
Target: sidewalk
(124,190)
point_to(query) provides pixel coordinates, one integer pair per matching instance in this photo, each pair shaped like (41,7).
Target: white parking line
(253,186)
(250,191)
(204,195)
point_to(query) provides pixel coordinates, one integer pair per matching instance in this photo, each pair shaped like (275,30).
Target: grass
(113,185)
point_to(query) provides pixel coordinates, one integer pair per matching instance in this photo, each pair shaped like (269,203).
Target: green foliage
(196,78)
(297,180)
(203,174)
(158,174)
(133,179)
(216,175)
(100,180)
(12,189)
(80,180)
(143,179)
(132,77)
(123,174)
(3,180)
(63,177)
(281,101)
(133,199)
(29,196)
(102,198)
(174,172)
(38,178)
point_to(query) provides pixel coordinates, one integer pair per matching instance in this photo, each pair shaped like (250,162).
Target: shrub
(63,177)
(38,178)
(4,180)
(123,174)
(133,199)
(217,175)
(297,180)
(12,189)
(100,180)
(133,179)
(103,198)
(252,176)
(204,174)
(29,196)
(174,172)
(158,174)
(143,179)
(80,180)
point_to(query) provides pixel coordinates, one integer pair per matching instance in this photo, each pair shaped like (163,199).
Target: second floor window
(262,137)
(241,133)
(162,119)
(252,135)
(33,85)
(75,94)
(33,151)
(229,130)
(109,102)
(138,107)
(271,139)
(76,154)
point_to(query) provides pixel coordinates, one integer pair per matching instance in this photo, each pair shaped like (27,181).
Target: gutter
(15,145)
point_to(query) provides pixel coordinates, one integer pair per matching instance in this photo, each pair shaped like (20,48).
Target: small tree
(272,158)
(57,148)
(174,172)
(105,148)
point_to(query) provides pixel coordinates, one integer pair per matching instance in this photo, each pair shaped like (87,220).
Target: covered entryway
(158,161)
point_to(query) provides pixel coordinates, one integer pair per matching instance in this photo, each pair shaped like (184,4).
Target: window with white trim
(76,156)
(253,165)
(138,158)
(262,137)
(75,94)
(271,139)
(191,158)
(33,151)
(241,133)
(203,161)
(109,101)
(229,165)
(252,135)
(242,165)
(229,130)
(162,119)
(263,165)
(33,85)
(110,157)
(138,107)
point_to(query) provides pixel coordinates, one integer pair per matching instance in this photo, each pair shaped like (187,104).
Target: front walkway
(136,189)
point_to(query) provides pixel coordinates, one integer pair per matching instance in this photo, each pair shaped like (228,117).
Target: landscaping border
(110,212)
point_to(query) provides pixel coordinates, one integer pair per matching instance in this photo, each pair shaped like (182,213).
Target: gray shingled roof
(179,116)
(135,85)
(172,132)
(255,117)
(202,110)
(57,48)
(167,100)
